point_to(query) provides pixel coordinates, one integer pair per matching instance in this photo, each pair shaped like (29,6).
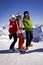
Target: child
(20,35)
(12,31)
(27,22)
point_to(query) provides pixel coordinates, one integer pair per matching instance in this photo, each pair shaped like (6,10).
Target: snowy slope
(34,56)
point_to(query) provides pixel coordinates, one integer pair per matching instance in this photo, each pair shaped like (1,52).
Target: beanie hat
(12,16)
(26,13)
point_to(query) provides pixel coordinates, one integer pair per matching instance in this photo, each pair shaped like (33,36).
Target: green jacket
(27,24)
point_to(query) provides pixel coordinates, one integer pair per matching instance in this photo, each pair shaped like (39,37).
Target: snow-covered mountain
(37,33)
(4,33)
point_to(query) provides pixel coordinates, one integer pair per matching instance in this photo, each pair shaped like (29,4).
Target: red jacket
(18,25)
(12,27)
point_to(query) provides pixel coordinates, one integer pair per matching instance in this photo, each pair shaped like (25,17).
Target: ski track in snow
(32,57)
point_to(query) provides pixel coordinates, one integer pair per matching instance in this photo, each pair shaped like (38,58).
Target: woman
(19,32)
(12,31)
(27,22)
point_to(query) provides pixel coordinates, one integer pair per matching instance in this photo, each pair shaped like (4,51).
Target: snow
(31,57)
(37,32)
(34,56)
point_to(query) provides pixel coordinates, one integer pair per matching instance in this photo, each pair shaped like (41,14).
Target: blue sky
(35,8)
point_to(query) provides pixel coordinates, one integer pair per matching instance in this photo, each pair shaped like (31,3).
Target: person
(12,31)
(27,22)
(19,32)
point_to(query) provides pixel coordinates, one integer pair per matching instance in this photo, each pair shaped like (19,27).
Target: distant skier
(12,31)
(19,32)
(27,22)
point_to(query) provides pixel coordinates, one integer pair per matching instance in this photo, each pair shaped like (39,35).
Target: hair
(26,12)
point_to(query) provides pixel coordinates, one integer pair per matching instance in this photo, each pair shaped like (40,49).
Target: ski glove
(10,36)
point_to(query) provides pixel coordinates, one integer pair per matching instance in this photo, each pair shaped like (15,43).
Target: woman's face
(13,19)
(26,16)
(18,17)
